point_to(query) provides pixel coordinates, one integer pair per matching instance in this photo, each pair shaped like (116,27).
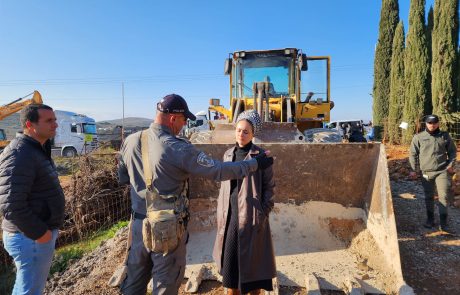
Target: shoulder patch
(204,160)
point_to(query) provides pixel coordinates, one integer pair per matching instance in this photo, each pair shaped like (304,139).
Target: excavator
(13,107)
(333,225)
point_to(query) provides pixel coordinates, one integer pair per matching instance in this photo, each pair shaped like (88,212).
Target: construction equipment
(333,224)
(333,219)
(13,107)
(278,86)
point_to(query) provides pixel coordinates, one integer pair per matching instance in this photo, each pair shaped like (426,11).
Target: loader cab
(289,75)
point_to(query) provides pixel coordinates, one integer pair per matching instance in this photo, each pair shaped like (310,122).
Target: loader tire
(201,137)
(322,135)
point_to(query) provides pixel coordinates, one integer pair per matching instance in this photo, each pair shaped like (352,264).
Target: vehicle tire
(69,152)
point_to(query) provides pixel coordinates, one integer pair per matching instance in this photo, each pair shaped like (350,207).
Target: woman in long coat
(243,250)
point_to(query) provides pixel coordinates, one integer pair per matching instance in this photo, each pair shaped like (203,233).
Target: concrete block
(352,287)
(312,285)
(194,280)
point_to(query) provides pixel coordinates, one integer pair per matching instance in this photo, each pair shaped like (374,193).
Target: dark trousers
(440,179)
(167,270)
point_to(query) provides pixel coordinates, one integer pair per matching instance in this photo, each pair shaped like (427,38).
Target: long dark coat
(255,201)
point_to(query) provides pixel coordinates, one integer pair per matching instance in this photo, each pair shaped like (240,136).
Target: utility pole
(123,116)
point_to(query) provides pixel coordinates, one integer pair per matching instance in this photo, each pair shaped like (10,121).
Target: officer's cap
(174,103)
(431,119)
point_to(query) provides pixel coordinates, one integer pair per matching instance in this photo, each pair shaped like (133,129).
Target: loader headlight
(288,51)
(240,54)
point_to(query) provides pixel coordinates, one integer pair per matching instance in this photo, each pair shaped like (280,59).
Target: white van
(341,125)
(200,124)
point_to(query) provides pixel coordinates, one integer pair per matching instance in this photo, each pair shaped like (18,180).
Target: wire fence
(454,130)
(94,201)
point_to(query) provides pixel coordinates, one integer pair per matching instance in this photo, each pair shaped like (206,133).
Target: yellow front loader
(13,107)
(333,224)
(289,90)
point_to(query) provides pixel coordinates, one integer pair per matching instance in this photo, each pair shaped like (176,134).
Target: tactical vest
(167,215)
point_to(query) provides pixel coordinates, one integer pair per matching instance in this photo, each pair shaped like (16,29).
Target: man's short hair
(30,113)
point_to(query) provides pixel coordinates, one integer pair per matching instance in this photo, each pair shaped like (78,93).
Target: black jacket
(31,197)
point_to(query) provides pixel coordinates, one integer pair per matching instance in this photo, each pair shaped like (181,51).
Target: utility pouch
(162,231)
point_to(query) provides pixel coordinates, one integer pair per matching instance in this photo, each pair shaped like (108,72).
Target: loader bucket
(271,132)
(333,223)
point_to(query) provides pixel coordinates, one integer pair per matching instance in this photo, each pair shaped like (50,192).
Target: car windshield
(89,128)
(262,68)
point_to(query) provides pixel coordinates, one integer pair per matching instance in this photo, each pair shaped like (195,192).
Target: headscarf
(253,117)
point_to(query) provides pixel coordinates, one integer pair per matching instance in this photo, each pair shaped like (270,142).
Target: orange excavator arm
(18,104)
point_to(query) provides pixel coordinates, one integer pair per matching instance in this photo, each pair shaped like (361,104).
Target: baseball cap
(174,103)
(431,119)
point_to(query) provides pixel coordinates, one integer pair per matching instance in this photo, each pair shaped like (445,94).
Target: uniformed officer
(432,154)
(172,161)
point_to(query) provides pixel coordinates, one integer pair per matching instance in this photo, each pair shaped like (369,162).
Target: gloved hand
(263,161)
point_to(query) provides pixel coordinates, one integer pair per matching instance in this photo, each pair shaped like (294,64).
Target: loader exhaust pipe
(261,90)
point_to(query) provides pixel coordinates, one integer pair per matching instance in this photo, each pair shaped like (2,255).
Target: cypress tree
(444,63)
(396,86)
(429,30)
(416,70)
(389,17)
(429,33)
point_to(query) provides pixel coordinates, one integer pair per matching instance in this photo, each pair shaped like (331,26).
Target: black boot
(429,223)
(444,226)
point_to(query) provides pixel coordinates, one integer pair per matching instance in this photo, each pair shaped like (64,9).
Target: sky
(78,54)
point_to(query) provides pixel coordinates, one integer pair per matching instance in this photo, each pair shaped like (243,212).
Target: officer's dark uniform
(172,161)
(431,154)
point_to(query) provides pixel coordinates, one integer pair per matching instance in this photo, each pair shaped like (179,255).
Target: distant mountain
(129,122)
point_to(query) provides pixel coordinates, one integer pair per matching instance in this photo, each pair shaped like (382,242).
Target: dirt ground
(430,259)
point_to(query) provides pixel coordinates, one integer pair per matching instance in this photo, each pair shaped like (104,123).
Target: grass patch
(64,256)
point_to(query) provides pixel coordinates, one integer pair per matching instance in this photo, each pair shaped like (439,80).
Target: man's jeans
(32,260)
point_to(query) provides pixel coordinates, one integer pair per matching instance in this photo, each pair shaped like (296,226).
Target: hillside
(129,122)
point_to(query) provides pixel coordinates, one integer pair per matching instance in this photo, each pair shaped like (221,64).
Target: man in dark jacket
(433,154)
(31,199)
